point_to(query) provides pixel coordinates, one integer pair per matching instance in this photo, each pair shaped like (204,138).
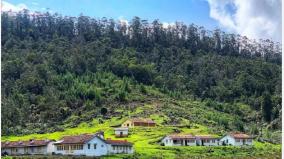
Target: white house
(91,145)
(179,140)
(207,140)
(236,139)
(30,147)
(121,132)
(119,146)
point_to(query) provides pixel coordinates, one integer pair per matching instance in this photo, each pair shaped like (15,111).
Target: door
(186,143)
(121,134)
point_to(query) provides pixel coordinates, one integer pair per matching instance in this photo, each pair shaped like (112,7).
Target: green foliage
(65,73)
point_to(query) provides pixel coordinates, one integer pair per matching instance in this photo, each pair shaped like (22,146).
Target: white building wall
(8,150)
(212,142)
(229,140)
(124,132)
(50,148)
(242,142)
(69,152)
(101,147)
(169,142)
(115,149)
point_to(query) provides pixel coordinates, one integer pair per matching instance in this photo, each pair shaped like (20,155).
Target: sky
(253,18)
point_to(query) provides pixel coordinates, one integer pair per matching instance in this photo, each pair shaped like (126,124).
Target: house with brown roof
(29,147)
(119,146)
(91,145)
(179,140)
(139,122)
(207,140)
(236,139)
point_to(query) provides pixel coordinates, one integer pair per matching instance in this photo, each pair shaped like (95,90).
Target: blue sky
(188,11)
(252,18)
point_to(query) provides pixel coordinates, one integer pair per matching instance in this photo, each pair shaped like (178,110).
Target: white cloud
(6,6)
(123,21)
(252,18)
(166,24)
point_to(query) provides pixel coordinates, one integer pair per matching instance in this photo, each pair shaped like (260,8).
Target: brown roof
(240,136)
(79,139)
(29,143)
(206,137)
(179,136)
(140,120)
(118,142)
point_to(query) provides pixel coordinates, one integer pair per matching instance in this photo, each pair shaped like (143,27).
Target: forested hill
(55,68)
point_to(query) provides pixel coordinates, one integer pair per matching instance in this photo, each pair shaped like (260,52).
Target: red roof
(79,139)
(179,136)
(206,137)
(29,143)
(118,142)
(240,136)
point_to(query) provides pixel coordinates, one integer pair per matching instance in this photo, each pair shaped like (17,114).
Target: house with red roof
(30,147)
(207,140)
(179,140)
(138,122)
(91,145)
(236,139)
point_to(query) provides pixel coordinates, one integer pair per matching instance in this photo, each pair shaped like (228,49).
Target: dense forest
(55,67)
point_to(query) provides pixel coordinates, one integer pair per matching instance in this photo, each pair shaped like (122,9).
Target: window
(59,148)
(238,140)
(166,141)
(32,149)
(113,147)
(66,147)
(213,141)
(95,146)
(89,146)
(249,140)
(102,145)
(175,141)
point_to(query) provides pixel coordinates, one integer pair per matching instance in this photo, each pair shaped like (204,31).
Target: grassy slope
(146,139)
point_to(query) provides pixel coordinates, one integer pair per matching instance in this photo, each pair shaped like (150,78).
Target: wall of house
(207,142)
(17,151)
(167,141)
(99,150)
(50,148)
(115,149)
(8,150)
(69,151)
(235,142)
(124,133)
(241,142)
(36,150)
(127,123)
(228,140)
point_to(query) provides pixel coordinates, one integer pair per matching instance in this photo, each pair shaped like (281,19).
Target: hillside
(58,72)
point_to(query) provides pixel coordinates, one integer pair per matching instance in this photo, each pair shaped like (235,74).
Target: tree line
(57,69)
